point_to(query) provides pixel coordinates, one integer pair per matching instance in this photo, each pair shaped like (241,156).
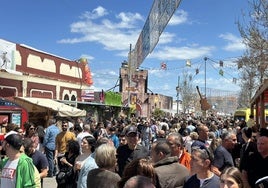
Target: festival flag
(163,66)
(234,80)
(221,63)
(221,72)
(102,96)
(196,71)
(188,63)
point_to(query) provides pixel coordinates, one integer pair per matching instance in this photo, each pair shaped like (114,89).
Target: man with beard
(61,142)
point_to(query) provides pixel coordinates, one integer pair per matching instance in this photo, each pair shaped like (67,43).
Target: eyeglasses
(31,128)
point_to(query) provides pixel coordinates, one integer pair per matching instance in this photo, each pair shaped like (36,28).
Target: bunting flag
(196,71)
(239,65)
(221,63)
(221,72)
(234,80)
(163,66)
(102,94)
(188,63)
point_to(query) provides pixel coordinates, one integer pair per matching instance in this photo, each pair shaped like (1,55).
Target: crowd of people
(186,151)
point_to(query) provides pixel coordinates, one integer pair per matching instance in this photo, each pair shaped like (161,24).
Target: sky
(102,31)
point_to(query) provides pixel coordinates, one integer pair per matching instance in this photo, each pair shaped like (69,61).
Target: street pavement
(50,182)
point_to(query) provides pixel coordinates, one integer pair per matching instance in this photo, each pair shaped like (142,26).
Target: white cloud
(89,57)
(113,35)
(167,37)
(181,53)
(179,17)
(96,13)
(233,43)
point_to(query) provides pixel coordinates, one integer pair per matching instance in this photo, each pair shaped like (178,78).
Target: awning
(32,104)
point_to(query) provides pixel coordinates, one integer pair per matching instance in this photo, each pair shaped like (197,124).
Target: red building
(26,72)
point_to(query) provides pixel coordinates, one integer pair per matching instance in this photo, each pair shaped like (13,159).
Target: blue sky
(102,31)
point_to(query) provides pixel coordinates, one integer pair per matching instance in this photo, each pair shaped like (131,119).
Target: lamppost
(178,94)
(205,58)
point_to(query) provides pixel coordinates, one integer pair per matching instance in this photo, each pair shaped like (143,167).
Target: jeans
(50,158)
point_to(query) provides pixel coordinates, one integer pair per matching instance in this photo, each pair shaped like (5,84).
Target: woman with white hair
(104,176)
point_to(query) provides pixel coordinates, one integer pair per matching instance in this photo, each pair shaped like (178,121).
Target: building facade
(134,88)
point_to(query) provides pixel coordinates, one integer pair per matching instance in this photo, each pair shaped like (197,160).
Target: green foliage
(158,113)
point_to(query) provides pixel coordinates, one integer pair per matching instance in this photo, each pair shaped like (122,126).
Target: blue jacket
(50,137)
(89,164)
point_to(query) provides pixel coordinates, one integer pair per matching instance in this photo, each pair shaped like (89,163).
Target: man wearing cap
(132,150)
(17,169)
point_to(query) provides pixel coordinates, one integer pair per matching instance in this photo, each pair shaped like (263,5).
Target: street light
(178,94)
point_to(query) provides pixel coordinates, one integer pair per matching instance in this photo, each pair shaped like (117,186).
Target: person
(85,162)
(100,131)
(17,170)
(139,182)
(122,139)
(68,161)
(49,145)
(170,173)
(201,169)
(19,131)
(40,131)
(175,142)
(105,158)
(112,136)
(223,157)
(132,150)
(231,177)
(82,132)
(61,142)
(140,166)
(257,163)
(248,148)
(251,121)
(146,135)
(262,182)
(202,140)
(39,159)
(31,133)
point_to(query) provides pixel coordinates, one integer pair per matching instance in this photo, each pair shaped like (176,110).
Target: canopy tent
(32,104)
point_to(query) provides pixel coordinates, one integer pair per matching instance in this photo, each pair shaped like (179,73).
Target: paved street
(50,183)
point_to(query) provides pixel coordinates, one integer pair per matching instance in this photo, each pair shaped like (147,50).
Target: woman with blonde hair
(141,166)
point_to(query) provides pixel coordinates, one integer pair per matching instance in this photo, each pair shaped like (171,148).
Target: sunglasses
(31,128)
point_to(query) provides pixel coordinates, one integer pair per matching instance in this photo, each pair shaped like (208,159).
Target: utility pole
(178,94)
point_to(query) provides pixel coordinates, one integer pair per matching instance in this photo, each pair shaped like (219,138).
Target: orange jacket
(185,159)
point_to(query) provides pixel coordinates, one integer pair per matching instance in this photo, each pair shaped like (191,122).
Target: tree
(254,31)
(187,92)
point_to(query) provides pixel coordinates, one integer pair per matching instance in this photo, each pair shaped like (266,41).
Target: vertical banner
(133,100)
(7,50)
